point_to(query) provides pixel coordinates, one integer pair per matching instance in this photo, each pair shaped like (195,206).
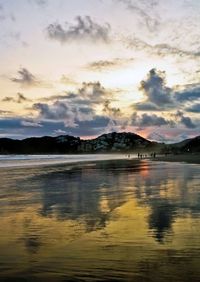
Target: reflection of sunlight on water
(126,221)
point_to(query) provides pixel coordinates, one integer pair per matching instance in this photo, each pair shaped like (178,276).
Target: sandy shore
(187,158)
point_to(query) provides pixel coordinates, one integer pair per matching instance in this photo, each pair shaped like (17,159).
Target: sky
(89,67)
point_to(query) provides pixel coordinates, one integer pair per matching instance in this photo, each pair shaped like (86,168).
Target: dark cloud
(146,120)
(155,89)
(57,111)
(26,78)
(194,108)
(84,29)
(190,93)
(65,112)
(160,97)
(19,128)
(145,106)
(78,109)
(185,120)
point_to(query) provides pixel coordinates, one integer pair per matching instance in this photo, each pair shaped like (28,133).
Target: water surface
(110,221)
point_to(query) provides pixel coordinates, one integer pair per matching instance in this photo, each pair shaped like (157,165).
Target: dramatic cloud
(58,111)
(160,97)
(155,89)
(73,109)
(26,78)
(84,29)
(65,112)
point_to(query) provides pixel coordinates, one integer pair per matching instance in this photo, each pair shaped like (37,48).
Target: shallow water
(113,221)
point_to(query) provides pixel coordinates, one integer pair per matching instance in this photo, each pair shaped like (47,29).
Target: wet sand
(186,158)
(119,220)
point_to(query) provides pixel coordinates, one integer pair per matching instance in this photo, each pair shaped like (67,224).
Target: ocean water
(123,220)
(33,160)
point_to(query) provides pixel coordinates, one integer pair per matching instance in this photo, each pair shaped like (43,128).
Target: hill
(112,142)
(106,143)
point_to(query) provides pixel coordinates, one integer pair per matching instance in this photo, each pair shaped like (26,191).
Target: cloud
(16,128)
(116,120)
(67,80)
(160,97)
(76,109)
(84,28)
(2,112)
(26,78)
(194,108)
(190,93)
(20,98)
(92,92)
(155,89)
(59,132)
(65,112)
(186,121)
(161,49)
(58,111)
(73,107)
(146,120)
(30,123)
(103,65)
(150,19)
(145,106)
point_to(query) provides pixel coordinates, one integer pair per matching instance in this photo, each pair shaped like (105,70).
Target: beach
(187,158)
(129,220)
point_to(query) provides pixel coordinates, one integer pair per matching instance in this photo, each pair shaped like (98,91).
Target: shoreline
(182,158)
